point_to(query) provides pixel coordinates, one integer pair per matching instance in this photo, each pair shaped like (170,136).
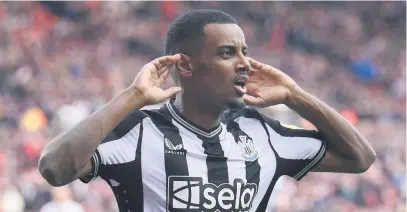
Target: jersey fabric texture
(156,160)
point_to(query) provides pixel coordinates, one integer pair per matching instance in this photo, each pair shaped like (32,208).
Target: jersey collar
(189,125)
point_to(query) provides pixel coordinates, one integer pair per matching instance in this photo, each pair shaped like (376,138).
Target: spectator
(62,202)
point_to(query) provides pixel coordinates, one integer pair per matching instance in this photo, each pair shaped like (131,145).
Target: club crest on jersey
(247,148)
(173,149)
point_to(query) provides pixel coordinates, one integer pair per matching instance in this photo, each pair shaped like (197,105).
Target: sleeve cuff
(318,157)
(95,160)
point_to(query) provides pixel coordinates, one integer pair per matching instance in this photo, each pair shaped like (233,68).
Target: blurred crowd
(61,61)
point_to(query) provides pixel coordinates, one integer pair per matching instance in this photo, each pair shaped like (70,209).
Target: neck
(196,111)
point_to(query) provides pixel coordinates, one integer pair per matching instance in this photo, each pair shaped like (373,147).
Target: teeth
(240,83)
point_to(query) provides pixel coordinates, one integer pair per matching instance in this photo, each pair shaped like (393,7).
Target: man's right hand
(79,143)
(148,81)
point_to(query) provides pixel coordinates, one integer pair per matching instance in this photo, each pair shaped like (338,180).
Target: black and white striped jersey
(156,160)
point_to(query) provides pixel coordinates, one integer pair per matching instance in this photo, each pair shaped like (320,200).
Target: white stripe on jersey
(267,159)
(196,157)
(236,166)
(153,168)
(122,150)
(296,148)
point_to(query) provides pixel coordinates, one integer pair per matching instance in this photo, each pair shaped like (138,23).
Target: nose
(243,65)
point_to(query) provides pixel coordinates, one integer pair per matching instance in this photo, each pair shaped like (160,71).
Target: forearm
(64,157)
(341,136)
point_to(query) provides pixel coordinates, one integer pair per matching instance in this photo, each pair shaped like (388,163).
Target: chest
(235,153)
(219,172)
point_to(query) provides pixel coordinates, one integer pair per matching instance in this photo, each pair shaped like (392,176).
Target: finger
(166,60)
(171,92)
(164,74)
(163,70)
(255,64)
(251,100)
(252,71)
(170,59)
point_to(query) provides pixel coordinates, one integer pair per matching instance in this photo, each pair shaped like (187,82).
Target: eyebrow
(231,47)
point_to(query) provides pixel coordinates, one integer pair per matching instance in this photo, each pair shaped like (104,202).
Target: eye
(244,52)
(227,53)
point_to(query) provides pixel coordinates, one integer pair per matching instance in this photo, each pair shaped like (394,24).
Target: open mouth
(240,84)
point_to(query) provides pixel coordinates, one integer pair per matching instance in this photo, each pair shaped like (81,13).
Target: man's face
(221,69)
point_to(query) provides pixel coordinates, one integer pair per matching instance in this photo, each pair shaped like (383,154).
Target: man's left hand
(267,85)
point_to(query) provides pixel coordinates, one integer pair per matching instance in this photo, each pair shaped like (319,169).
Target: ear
(184,66)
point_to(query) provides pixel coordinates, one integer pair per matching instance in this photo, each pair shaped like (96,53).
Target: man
(204,150)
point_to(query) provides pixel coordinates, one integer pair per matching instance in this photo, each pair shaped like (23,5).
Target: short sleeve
(117,148)
(95,160)
(298,150)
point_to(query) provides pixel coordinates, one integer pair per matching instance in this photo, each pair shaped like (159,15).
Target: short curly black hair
(189,28)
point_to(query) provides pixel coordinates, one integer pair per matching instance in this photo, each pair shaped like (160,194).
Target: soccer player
(207,148)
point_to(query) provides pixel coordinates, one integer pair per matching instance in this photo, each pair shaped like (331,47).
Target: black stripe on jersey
(128,186)
(279,172)
(215,160)
(174,153)
(175,158)
(138,180)
(129,193)
(252,167)
(118,132)
(264,202)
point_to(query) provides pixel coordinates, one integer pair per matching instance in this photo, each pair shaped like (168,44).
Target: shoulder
(275,125)
(245,112)
(249,113)
(136,117)
(129,122)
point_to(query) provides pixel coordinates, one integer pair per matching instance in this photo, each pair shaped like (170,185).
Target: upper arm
(118,147)
(332,162)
